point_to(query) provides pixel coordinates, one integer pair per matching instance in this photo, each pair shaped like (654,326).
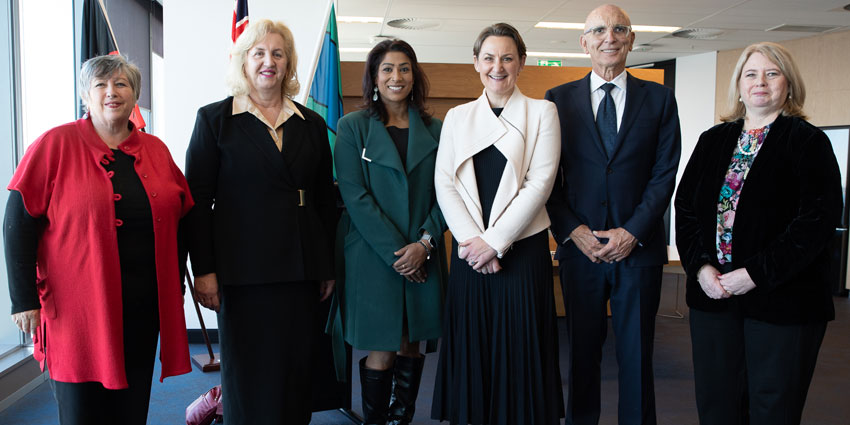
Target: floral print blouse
(745,153)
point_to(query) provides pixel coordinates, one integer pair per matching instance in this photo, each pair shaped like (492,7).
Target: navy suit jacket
(632,188)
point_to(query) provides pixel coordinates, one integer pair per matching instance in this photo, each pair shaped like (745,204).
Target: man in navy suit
(620,146)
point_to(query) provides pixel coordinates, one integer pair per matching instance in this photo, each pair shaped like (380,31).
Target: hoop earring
(375,94)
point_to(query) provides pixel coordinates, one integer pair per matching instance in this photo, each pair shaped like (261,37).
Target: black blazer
(787,212)
(632,188)
(247,225)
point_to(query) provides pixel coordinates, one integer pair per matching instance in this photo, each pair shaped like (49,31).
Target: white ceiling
(742,22)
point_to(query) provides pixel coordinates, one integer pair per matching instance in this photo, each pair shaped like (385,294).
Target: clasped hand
(479,255)
(410,263)
(619,246)
(719,286)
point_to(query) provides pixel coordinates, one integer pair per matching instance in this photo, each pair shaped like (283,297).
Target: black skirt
(499,355)
(266,341)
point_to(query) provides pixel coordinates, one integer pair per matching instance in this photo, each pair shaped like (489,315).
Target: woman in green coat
(394,262)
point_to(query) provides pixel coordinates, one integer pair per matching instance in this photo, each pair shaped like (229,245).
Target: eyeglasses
(619,31)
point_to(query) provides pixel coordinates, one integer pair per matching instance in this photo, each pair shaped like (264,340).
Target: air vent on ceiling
(413,24)
(375,39)
(802,28)
(697,33)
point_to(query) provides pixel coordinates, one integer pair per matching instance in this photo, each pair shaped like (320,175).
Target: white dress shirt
(618,93)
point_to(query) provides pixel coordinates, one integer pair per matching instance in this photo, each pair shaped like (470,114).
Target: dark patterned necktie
(606,119)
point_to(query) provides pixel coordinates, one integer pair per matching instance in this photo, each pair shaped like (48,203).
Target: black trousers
(90,403)
(752,372)
(634,293)
(266,340)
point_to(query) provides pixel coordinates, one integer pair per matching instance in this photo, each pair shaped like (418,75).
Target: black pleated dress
(499,354)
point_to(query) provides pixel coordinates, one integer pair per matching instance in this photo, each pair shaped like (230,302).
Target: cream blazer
(528,134)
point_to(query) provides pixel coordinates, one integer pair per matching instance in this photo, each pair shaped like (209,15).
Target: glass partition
(10,337)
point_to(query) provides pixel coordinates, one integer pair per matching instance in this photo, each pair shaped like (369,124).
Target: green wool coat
(387,207)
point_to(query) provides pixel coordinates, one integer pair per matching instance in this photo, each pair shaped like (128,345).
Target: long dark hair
(418,93)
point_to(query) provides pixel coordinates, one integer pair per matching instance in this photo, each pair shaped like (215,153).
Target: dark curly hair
(418,93)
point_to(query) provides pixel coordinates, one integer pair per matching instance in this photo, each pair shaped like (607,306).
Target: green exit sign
(544,62)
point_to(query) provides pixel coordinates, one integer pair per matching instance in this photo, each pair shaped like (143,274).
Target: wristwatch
(426,237)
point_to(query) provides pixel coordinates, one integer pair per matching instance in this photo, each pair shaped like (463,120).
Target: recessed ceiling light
(556,55)
(653,28)
(560,25)
(355,49)
(642,47)
(802,28)
(360,19)
(578,26)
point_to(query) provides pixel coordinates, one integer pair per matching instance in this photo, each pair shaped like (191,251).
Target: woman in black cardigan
(759,297)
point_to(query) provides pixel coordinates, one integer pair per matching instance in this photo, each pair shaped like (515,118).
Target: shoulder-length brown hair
(419,92)
(777,54)
(236,80)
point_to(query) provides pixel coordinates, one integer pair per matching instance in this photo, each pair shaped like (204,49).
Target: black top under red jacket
(787,213)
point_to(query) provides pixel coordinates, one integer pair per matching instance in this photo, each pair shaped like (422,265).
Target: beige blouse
(243,103)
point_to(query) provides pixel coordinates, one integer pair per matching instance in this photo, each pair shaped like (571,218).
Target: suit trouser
(752,372)
(634,293)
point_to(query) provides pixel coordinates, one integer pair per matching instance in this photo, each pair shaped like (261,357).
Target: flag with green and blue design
(326,91)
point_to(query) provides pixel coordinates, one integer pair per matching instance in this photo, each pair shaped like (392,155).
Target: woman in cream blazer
(527,133)
(495,167)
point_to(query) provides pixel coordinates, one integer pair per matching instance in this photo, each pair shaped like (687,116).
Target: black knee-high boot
(407,373)
(376,386)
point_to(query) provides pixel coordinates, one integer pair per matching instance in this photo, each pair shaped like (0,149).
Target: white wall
(695,80)
(47,66)
(196,44)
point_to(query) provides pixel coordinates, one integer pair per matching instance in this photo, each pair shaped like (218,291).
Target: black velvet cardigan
(787,213)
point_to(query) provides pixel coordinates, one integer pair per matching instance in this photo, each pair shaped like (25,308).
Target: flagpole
(108,24)
(317,52)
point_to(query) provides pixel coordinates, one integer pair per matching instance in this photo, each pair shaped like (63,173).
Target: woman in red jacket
(91,250)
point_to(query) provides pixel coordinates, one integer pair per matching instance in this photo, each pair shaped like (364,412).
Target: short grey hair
(104,67)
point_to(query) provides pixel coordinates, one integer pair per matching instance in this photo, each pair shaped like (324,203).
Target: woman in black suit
(259,166)
(760,296)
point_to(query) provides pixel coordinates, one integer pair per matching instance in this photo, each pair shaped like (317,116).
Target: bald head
(607,14)
(608,39)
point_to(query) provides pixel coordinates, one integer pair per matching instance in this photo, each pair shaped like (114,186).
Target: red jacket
(79,278)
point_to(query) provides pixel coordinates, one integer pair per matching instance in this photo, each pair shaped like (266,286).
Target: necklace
(753,139)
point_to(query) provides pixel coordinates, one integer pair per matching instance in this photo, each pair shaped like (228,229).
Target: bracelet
(427,251)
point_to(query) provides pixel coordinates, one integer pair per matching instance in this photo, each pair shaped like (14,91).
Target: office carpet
(828,401)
